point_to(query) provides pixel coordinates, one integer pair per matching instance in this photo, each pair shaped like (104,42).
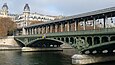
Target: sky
(57,7)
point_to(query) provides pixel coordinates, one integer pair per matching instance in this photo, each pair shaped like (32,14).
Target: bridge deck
(106,31)
(93,13)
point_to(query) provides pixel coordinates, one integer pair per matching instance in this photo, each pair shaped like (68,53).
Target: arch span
(20,42)
(47,42)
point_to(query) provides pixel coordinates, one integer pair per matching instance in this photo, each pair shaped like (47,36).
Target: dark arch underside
(44,43)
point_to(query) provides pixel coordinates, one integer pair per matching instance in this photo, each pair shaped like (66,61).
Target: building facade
(26,17)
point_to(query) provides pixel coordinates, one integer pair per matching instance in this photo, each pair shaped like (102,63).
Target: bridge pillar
(94,24)
(42,30)
(35,30)
(51,27)
(64,39)
(56,26)
(61,27)
(109,39)
(60,38)
(27,30)
(75,40)
(84,25)
(23,31)
(46,29)
(86,40)
(69,40)
(39,30)
(68,26)
(78,59)
(75,25)
(65,27)
(100,38)
(104,22)
(32,31)
(92,41)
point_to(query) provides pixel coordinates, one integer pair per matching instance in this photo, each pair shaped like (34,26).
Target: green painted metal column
(109,39)
(64,39)
(26,41)
(74,40)
(92,41)
(60,38)
(69,40)
(85,40)
(100,38)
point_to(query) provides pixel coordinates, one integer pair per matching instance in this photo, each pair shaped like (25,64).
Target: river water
(34,58)
(38,58)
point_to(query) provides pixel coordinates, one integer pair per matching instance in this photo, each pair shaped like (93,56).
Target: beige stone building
(26,17)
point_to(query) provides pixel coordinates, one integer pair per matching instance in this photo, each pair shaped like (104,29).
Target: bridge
(89,33)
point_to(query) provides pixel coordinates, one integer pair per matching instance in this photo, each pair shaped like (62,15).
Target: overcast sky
(58,7)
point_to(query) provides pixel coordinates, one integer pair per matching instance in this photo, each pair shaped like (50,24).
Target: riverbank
(8,43)
(8,47)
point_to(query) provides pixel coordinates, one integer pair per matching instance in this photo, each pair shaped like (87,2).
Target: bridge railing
(84,32)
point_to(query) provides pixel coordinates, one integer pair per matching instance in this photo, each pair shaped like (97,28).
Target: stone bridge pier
(89,59)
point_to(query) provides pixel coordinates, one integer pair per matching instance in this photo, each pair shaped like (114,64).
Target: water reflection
(33,58)
(38,58)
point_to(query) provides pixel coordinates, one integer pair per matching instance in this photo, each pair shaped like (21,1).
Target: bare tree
(7,26)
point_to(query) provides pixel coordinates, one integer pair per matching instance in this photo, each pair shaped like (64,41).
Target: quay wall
(7,43)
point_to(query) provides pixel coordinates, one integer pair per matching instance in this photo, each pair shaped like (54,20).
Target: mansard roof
(26,8)
(5,7)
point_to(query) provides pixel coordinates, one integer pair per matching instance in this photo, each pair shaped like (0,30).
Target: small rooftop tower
(5,9)
(26,10)
(26,13)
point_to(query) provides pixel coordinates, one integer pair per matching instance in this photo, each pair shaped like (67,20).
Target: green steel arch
(45,41)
